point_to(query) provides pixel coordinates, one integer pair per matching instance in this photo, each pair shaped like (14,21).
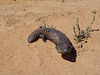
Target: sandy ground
(18,18)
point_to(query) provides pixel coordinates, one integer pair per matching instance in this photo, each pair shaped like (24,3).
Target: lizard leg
(43,37)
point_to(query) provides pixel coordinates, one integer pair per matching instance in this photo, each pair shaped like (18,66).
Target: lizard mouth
(65,51)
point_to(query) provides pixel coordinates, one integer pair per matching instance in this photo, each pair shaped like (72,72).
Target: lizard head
(64,48)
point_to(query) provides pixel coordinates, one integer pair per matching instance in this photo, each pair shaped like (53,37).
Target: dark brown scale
(63,44)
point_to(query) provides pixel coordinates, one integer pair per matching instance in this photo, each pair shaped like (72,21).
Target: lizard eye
(65,50)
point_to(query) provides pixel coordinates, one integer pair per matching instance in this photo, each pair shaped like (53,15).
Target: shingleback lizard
(63,44)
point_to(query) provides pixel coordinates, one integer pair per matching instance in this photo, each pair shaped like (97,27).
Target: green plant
(52,26)
(48,26)
(94,12)
(80,34)
(83,35)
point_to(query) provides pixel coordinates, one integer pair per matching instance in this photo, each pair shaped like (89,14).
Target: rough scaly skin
(63,44)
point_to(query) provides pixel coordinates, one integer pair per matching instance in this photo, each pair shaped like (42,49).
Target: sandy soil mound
(18,18)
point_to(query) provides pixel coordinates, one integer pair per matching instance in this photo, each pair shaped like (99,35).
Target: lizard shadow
(71,56)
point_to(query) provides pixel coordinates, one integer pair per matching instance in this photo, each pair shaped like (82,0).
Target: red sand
(19,18)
